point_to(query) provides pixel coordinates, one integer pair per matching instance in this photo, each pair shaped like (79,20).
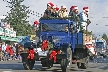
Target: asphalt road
(98,65)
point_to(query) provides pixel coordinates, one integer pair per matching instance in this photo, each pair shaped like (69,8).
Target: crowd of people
(10,51)
(54,11)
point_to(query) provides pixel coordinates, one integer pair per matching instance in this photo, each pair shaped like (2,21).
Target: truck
(101,47)
(60,43)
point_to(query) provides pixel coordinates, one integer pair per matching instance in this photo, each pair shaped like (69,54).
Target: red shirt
(11,51)
(8,49)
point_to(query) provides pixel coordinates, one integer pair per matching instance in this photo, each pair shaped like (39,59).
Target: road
(98,65)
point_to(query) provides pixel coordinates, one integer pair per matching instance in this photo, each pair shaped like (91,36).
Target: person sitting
(63,12)
(47,12)
(66,29)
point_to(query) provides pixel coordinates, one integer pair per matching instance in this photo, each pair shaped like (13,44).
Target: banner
(7,32)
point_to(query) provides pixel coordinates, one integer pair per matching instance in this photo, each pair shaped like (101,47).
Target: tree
(104,36)
(17,17)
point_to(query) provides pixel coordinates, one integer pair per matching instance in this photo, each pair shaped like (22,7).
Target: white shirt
(83,19)
(3,47)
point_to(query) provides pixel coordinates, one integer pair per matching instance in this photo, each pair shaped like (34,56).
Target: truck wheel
(79,65)
(28,65)
(85,65)
(66,63)
(50,65)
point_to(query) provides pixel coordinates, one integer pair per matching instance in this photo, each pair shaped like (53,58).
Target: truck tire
(28,65)
(79,65)
(50,64)
(85,65)
(67,63)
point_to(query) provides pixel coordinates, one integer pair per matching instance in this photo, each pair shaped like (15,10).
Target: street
(98,65)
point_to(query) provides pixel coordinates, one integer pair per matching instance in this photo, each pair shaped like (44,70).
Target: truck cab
(101,47)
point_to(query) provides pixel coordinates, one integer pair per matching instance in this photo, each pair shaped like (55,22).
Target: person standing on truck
(63,12)
(73,11)
(49,9)
(84,18)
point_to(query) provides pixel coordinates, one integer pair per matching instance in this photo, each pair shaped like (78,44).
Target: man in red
(7,48)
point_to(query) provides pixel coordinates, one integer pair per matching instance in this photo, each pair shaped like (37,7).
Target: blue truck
(101,47)
(66,44)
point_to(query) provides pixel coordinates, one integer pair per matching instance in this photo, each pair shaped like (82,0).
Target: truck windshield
(99,44)
(54,27)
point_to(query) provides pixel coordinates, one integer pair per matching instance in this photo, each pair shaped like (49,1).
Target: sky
(98,9)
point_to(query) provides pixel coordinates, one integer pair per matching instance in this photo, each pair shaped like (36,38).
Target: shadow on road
(11,66)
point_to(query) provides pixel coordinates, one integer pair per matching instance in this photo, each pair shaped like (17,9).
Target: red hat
(50,4)
(74,7)
(85,9)
(36,23)
(57,8)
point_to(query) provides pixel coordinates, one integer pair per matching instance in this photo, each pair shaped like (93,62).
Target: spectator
(11,52)
(16,49)
(0,53)
(4,47)
(8,51)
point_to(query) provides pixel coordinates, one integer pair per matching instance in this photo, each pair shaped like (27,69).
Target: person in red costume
(7,48)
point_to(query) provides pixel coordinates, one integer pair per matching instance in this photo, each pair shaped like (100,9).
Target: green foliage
(104,36)
(50,45)
(17,17)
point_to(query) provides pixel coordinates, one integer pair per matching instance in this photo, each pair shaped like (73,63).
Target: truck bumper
(61,56)
(24,56)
